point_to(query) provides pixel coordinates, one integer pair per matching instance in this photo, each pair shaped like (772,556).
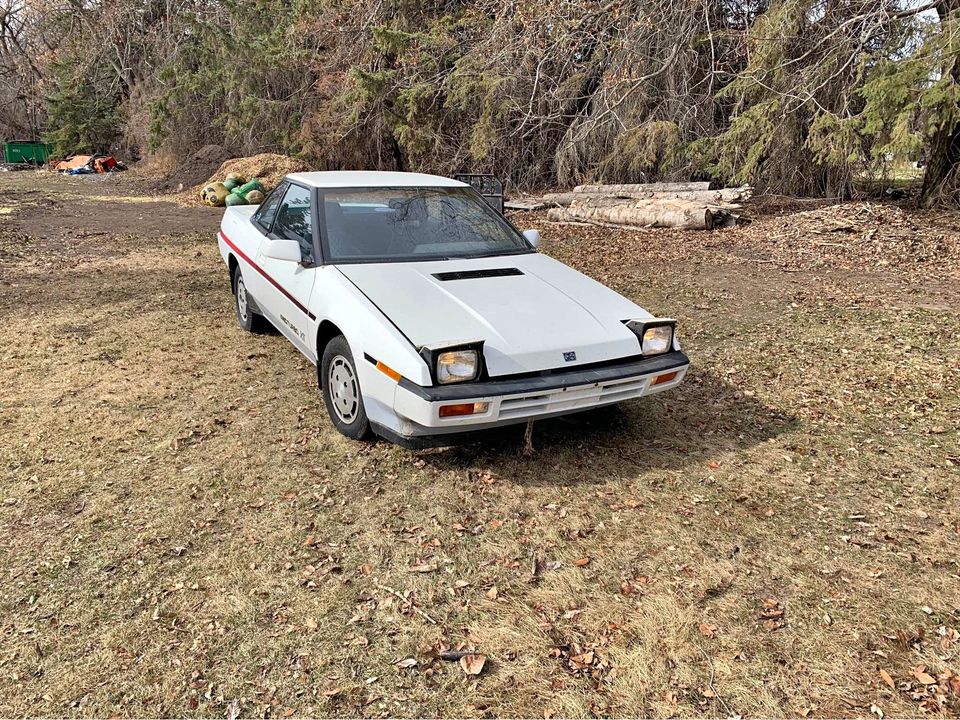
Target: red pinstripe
(263,272)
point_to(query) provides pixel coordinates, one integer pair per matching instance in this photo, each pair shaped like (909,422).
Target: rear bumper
(518,400)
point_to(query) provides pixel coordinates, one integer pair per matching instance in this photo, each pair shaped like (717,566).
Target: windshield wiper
(493,253)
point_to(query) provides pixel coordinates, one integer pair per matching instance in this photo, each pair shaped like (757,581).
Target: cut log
(561,199)
(640,214)
(726,195)
(713,200)
(642,188)
(525,205)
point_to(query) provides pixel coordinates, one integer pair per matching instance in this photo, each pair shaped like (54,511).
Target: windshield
(385,224)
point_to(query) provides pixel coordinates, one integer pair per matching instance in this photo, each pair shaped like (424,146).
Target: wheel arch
(326,332)
(232,265)
(369,332)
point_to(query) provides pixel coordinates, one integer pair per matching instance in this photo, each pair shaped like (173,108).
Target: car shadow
(703,417)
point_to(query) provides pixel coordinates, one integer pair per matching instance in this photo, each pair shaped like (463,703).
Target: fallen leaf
(311,624)
(406,663)
(708,630)
(548,713)
(233,710)
(922,676)
(310,541)
(492,593)
(423,568)
(584,659)
(473,664)
(495,524)
(713,465)
(885,676)
(582,562)
(288,712)
(772,614)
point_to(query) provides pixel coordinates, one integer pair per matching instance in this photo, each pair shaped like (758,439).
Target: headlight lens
(456,366)
(657,340)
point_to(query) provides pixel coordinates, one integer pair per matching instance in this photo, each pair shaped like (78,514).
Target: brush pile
(687,206)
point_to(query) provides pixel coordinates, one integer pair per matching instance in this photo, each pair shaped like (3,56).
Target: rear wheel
(341,390)
(246,317)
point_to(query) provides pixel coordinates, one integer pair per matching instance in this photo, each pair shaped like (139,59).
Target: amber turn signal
(660,379)
(463,409)
(388,371)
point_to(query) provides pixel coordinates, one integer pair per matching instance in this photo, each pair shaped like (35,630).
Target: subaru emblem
(569,356)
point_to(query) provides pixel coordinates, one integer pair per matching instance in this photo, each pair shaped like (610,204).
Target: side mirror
(288,250)
(533,237)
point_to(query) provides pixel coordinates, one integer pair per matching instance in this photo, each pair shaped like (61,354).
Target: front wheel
(341,390)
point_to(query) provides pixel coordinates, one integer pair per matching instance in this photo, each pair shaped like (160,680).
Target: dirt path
(45,206)
(185,534)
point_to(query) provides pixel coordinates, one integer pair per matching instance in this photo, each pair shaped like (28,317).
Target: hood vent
(476,274)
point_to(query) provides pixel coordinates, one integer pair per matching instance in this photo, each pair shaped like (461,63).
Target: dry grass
(183,529)
(155,166)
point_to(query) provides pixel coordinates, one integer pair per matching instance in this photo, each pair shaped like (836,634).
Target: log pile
(689,206)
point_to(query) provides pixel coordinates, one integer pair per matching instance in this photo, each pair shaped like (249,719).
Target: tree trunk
(708,197)
(642,188)
(941,181)
(642,214)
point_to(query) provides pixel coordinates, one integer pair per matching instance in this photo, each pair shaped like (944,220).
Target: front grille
(560,371)
(576,398)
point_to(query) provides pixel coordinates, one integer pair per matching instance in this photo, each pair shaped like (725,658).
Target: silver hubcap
(344,393)
(241,299)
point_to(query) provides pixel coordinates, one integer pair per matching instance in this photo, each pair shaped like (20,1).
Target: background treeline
(792,96)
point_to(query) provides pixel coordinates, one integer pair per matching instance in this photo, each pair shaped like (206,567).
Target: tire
(341,390)
(247,319)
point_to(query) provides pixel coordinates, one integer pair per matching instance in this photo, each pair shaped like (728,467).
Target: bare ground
(184,533)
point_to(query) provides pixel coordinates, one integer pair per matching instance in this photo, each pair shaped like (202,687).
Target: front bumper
(517,400)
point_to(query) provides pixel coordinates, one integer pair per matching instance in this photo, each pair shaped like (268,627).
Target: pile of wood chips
(268,168)
(687,206)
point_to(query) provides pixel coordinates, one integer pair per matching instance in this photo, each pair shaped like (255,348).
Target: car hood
(530,310)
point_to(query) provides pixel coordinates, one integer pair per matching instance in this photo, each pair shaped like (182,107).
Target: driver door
(292,282)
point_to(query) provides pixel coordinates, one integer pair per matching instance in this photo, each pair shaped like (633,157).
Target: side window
(295,221)
(268,208)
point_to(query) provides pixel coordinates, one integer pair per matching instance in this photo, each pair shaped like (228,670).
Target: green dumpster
(26,151)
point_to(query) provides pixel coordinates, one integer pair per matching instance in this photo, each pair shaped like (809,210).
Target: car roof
(369,178)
